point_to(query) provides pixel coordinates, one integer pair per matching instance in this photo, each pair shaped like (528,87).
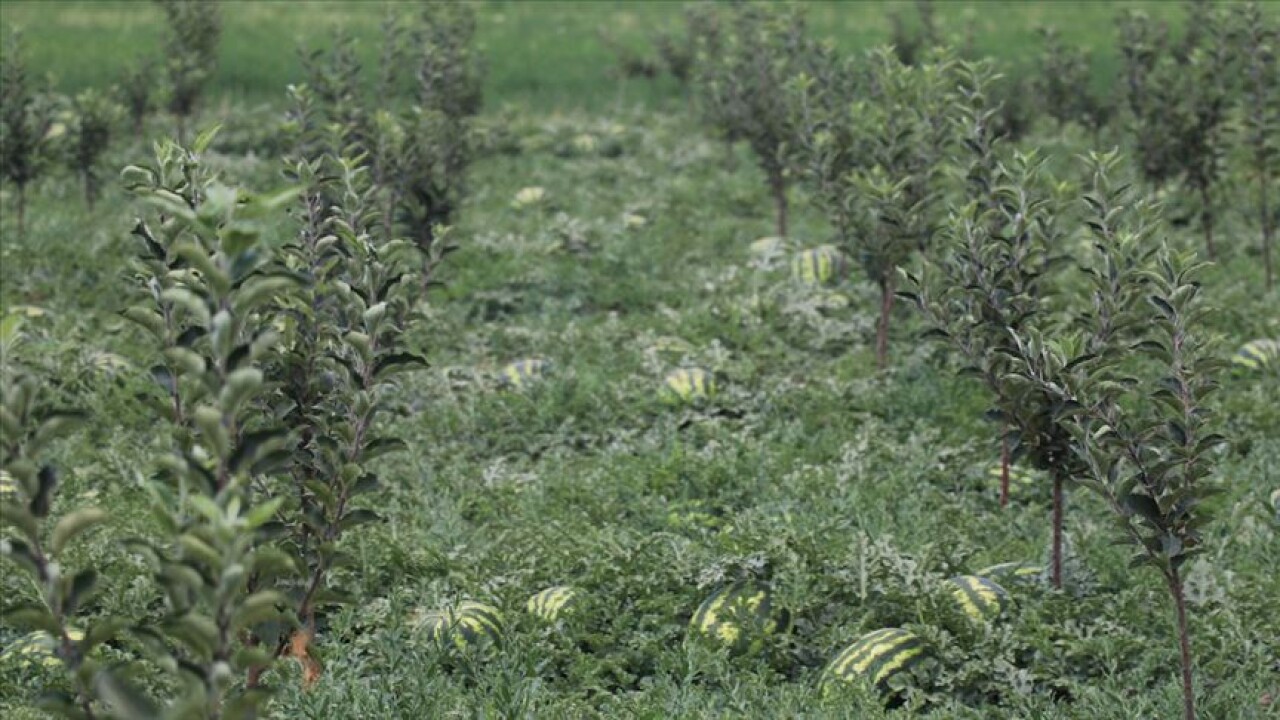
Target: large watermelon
(740,616)
(36,648)
(1258,355)
(553,601)
(465,624)
(689,385)
(818,266)
(876,657)
(981,598)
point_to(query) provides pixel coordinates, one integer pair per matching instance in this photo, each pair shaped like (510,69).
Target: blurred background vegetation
(543,55)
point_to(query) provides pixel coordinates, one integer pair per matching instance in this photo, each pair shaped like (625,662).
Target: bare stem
(1184,645)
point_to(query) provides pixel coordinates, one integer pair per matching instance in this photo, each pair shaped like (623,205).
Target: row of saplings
(742,615)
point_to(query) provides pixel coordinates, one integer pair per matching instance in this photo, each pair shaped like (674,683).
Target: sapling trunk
(1268,228)
(1206,221)
(882,327)
(1004,468)
(778,186)
(22,210)
(1184,644)
(1059,502)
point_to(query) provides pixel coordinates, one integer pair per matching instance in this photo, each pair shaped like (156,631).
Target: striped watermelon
(8,486)
(722,616)
(876,657)
(689,385)
(981,598)
(523,372)
(550,603)
(1020,572)
(466,623)
(1258,355)
(38,647)
(818,266)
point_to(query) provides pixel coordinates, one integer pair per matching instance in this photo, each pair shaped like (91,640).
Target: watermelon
(1021,572)
(8,486)
(1258,355)
(465,624)
(722,617)
(689,385)
(981,598)
(523,372)
(876,657)
(769,246)
(38,647)
(550,603)
(818,266)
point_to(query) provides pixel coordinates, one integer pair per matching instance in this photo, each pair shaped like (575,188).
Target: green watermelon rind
(979,607)
(907,651)
(769,621)
(548,604)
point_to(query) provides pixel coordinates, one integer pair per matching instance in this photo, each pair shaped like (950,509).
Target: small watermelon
(1258,355)
(722,616)
(523,372)
(1020,572)
(768,247)
(553,601)
(36,648)
(981,598)
(876,657)
(689,385)
(8,486)
(466,623)
(818,266)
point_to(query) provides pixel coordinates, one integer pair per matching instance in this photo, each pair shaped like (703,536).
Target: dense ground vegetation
(229,471)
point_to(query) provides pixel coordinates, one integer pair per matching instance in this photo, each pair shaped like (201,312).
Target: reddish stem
(1184,645)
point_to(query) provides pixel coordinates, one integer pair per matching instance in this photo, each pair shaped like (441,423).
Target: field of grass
(856,492)
(544,55)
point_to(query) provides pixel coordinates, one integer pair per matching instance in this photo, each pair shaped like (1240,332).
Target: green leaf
(81,588)
(204,139)
(126,700)
(74,524)
(260,607)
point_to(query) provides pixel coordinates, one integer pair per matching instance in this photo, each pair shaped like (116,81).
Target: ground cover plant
(426,367)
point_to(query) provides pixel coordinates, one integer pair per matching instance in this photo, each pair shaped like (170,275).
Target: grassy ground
(546,55)
(857,492)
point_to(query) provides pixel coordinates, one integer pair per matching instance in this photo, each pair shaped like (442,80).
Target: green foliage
(1179,100)
(876,155)
(207,279)
(26,119)
(417,155)
(194,28)
(1255,37)
(679,52)
(342,348)
(742,76)
(1062,82)
(137,93)
(986,300)
(37,541)
(94,116)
